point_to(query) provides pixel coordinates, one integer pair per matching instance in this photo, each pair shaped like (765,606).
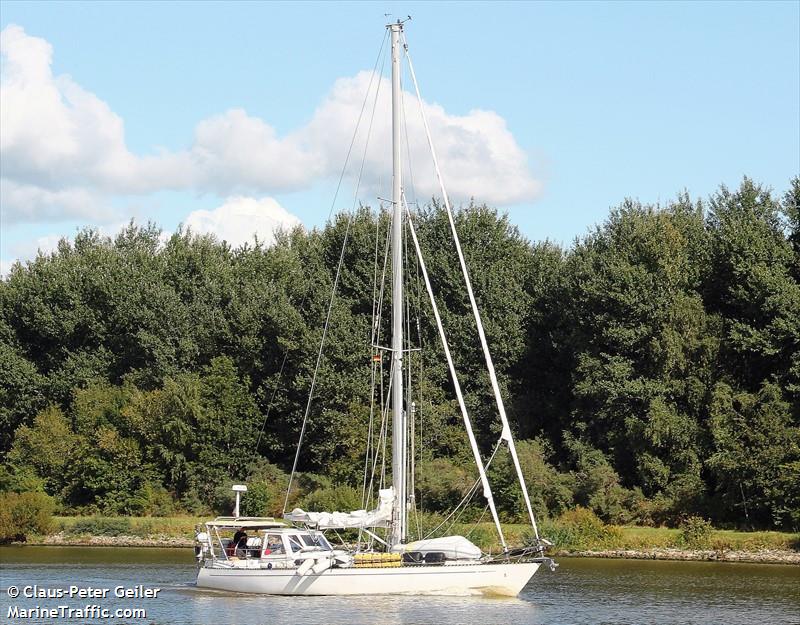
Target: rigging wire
(384,394)
(408,145)
(350,220)
(375,328)
(487,489)
(409,468)
(412,188)
(382,439)
(466,499)
(330,212)
(374,366)
(477,523)
(506,432)
(375,342)
(379,448)
(421,380)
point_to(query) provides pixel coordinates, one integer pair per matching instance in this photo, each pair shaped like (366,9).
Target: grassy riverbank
(571,535)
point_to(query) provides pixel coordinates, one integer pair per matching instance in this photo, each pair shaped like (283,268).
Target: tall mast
(398,415)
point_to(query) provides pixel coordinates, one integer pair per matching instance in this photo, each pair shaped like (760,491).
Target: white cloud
(477,153)
(56,134)
(29,202)
(62,147)
(44,245)
(235,152)
(28,250)
(240,219)
(64,150)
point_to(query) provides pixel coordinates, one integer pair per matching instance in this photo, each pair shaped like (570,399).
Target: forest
(651,369)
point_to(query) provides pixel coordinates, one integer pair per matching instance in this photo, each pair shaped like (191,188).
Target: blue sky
(229,115)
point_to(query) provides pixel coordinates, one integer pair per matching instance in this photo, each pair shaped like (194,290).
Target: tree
(643,344)
(756,454)
(751,287)
(654,365)
(21,391)
(48,446)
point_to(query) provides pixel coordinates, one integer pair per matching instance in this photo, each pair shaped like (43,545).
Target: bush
(101,526)
(222,498)
(442,483)
(334,499)
(421,523)
(266,489)
(483,537)
(684,495)
(144,529)
(153,500)
(262,499)
(695,533)
(191,503)
(20,480)
(22,514)
(580,529)
(550,491)
(308,482)
(597,484)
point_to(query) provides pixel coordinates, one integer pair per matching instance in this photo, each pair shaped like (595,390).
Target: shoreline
(761,556)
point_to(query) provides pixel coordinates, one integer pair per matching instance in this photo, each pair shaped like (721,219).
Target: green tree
(48,447)
(21,388)
(751,287)
(756,447)
(643,343)
(550,492)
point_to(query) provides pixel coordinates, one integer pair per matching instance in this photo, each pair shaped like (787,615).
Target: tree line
(651,369)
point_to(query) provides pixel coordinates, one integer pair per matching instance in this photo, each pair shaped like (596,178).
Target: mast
(399,451)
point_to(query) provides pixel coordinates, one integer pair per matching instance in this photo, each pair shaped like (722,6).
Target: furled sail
(380,517)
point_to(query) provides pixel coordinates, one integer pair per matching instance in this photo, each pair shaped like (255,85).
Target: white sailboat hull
(467,579)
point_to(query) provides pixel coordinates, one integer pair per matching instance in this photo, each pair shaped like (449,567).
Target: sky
(235,118)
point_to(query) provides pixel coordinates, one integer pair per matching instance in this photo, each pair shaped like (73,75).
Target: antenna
(399,21)
(238,489)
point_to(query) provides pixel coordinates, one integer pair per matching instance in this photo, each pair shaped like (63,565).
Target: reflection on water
(582,591)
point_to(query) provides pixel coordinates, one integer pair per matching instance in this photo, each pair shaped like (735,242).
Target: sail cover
(380,517)
(453,547)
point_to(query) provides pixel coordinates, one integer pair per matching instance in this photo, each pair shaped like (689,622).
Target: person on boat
(274,545)
(239,540)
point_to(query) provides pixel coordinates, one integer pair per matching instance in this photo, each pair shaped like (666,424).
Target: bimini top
(246,521)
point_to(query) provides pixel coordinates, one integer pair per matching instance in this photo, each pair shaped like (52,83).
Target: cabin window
(295,544)
(273,545)
(315,540)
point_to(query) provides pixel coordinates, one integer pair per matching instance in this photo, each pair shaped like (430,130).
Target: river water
(581,591)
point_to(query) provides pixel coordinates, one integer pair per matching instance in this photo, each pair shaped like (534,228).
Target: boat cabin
(235,541)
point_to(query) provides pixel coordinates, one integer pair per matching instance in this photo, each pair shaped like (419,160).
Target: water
(582,591)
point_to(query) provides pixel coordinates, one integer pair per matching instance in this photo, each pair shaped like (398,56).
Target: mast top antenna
(399,22)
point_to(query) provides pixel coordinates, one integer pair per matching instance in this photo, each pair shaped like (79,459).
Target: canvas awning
(249,522)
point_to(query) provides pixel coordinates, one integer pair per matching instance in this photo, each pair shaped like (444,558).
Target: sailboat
(293,556)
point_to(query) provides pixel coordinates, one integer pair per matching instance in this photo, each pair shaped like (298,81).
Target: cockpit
(228,540)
